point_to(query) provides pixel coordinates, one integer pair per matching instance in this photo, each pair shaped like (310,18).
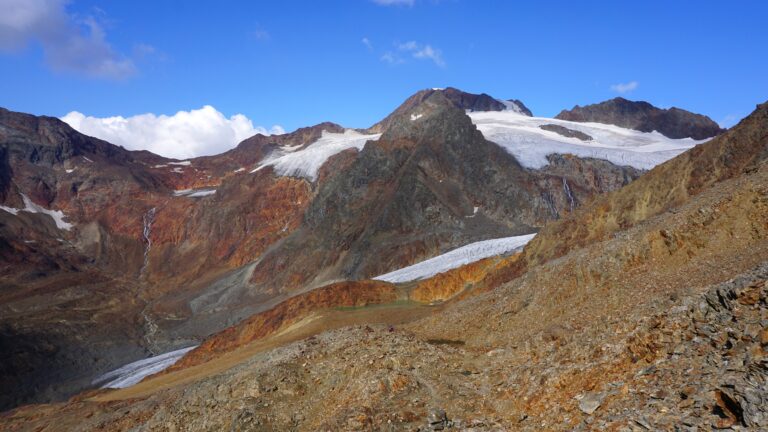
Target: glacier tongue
(457,258)
(132,373)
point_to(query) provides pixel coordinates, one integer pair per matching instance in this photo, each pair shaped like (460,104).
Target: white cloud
(69,44)
(423,52)
(367,43)
(395,2)
(391,58)
(625,87)
(261,34)
(183,135)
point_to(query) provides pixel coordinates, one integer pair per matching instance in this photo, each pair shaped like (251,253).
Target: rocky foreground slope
(109,256)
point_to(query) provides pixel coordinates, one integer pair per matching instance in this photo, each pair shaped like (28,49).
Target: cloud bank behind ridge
(186,134)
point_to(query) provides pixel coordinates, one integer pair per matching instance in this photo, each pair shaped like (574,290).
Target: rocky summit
(458,265)
(642,116)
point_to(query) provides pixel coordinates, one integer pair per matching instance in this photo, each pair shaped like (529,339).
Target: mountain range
(461,263)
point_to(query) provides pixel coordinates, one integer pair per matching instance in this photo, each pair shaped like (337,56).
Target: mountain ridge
(673,122)
(182,249)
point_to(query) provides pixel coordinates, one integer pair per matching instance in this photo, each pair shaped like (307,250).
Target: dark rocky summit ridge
(642,116)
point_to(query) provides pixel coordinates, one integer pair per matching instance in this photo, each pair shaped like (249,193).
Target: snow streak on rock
(568,193)
(457,258)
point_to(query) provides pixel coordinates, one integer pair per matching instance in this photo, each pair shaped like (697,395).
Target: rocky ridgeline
(642,116)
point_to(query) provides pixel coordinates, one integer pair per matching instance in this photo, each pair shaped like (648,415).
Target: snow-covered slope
(521,136)
(132,373)
(456,258)
(290,161)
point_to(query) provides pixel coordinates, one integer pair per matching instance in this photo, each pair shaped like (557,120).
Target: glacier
(289,161)
(132,373)
(456,258)
(521,136)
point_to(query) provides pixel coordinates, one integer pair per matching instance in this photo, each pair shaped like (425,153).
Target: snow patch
(512,107)
(194,193)
(239,170)
(132,373)
(415,117)
(159,166)
(10,210)
(521,136)
(202,193)
(456,258)
(87,159)
(30,207)
(69,171)
(178,170)
(307,161)
(182,163)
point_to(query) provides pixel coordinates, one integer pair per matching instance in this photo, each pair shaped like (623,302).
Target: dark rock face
(642,116)
(479,102)
(48,140)
(564,131)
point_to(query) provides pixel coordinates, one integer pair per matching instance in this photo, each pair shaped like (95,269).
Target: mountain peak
(50,140)
(642,116)
(459,99)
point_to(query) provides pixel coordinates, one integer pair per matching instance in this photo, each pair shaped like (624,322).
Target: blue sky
(297,63)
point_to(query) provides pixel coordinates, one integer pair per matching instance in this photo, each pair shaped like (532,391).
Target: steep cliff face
(642,116)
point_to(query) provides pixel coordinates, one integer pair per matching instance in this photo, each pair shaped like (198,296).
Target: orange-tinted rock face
(341,294)
(446,285)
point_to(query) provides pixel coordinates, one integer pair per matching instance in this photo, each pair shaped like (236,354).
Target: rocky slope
(642,116)
(655,325)
(161,254)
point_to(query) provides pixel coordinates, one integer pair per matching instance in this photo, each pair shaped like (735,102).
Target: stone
(437,419)
(590,402)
